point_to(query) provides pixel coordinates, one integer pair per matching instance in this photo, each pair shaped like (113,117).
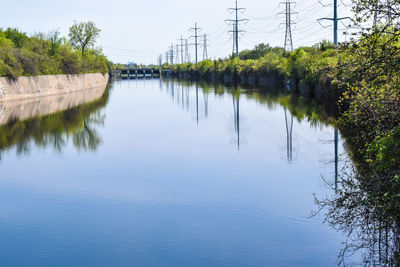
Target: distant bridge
(136,73)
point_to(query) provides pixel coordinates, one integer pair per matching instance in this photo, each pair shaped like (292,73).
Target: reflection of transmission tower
(288,33)
(197,104)
(236,115)
(205,52)
(336,157)
(205,104)
(289,137)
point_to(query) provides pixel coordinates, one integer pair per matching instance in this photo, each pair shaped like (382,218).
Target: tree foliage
(83,35)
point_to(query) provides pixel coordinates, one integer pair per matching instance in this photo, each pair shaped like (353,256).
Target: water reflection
(289,136)
(363,209)
(236,116)
(51,121)
(132,201)
(294,107)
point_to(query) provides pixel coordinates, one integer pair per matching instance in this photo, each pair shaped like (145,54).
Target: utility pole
(181,49)
(389,12)
(236,22)
(234,39)
(335,20)
(288,33)
(196,37)
(205,52)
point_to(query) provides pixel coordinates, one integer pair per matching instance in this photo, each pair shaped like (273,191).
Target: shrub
(44,54)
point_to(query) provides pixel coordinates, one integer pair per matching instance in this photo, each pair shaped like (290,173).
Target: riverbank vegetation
(306,65)
(48,54)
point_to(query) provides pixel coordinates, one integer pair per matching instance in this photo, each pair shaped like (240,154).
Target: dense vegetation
(306,65)
(46,54)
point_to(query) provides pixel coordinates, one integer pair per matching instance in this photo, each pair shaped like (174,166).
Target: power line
(129,50)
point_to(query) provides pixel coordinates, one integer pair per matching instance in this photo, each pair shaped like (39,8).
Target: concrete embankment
(48,85)
(30,97)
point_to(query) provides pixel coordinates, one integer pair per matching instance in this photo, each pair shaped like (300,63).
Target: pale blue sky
(141,30)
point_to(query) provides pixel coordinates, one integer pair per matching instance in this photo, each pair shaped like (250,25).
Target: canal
(168,173)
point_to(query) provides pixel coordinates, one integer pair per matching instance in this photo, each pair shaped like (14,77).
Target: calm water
(169,174)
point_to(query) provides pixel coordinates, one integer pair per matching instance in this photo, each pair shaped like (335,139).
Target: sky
(140,31)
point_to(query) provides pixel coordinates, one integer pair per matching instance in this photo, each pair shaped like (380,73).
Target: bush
(308,64)
(44,54)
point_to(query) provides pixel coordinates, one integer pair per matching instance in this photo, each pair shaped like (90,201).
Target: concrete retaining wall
(48,85)
(30,97)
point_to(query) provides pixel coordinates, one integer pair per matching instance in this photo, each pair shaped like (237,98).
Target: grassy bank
(45,54)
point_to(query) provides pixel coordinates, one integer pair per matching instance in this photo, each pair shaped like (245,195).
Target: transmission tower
(196,38)
(160,57)
(235,23)
(205,52)
(182,47)
(388,14)
(187,55)
(288,33)
(177,54)
(171,54)
(234,38)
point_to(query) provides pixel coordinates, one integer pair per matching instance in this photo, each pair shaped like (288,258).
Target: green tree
(258,52)
(83,35)
(55,40)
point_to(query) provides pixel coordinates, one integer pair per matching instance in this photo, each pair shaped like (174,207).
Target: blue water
(181,177)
